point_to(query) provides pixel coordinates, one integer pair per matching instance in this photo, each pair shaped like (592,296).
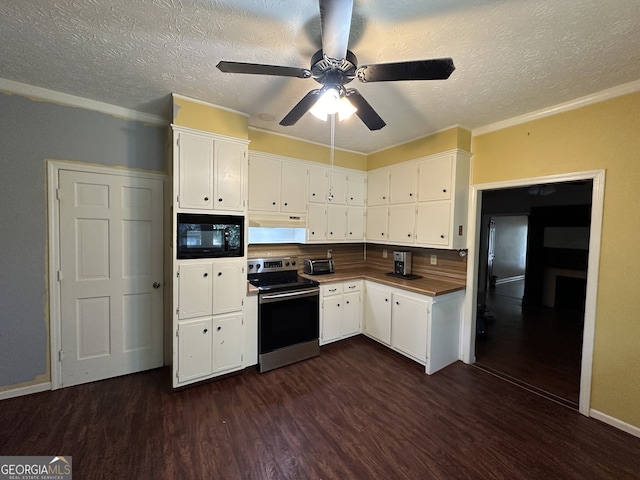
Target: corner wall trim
(614,422)
(19,392)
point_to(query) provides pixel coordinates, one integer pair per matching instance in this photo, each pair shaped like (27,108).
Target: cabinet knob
(347,302)
(397,303)
(386,299)
(408,234)
(273,203)
(219,328)
(441,236)
(205,274)
(219,274)
(156,285)
(330,233)
(338,304)
(220,199)
(313,233)
(205,330)
(285,204)
(206,199)
(384,198)
(351,198)
(313,194)
(410,194)
(444,190)
(382,234)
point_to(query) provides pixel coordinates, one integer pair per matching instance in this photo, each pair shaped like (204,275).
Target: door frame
(468,353)
(53,247)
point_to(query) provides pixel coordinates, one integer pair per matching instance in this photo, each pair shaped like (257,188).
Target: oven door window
(287,322)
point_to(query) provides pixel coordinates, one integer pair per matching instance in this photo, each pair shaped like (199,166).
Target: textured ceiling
(512,56)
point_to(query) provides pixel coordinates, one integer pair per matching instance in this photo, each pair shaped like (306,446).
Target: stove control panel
(279,264)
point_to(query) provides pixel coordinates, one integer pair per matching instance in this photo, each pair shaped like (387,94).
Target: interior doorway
(535,289)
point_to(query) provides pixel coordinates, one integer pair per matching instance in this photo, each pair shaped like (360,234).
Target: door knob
(156,284)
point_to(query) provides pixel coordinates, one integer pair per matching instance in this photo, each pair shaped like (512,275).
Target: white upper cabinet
(434,178)
(337,187)
(356,188)
(402,220)
(318,184)
(355,223)
(377,224)
(336,222)
(277,185)
(378,187)
(433,224)
(402,183)
(293,187)
(210,171)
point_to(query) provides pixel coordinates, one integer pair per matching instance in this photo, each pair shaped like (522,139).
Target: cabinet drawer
(352,286)
(331,289)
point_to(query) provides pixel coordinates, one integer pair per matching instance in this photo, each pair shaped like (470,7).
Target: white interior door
(111,272)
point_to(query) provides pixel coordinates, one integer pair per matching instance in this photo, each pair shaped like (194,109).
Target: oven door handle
(281,297)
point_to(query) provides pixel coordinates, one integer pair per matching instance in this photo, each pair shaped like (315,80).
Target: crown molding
(52,96)
(618,91)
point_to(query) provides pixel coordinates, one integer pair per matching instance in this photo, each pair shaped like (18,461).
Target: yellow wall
(209,118)
(291,147)
(438,142)
(601,136)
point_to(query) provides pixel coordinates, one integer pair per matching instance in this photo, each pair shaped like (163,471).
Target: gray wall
(510,247)
(31,132)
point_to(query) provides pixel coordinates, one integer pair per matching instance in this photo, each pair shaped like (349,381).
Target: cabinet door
(316,222)
(318,184)
(356,188)
(293,183)
(355,223)
(433,223)
(377,223)
(434,179)
(377,321)
(337,186)
(409,326)
(336,222)
(402,220)
(227,287)
(229,164)
(264,184)
(194,349)
(196,171)
(227,342)
(402,184)
(352,313)
(194,290)
(378,187)
(332,308)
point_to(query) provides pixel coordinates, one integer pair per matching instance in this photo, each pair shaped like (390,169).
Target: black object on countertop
(404,277)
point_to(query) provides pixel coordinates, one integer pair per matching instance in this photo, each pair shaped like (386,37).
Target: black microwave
(210,236)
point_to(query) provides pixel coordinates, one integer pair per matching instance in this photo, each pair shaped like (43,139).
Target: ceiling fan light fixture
(332,102)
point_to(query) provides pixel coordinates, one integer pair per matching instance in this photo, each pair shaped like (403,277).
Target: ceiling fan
(334,66)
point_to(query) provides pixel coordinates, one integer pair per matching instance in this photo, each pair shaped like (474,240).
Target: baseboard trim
(19,392)
(515,278)
(614,422)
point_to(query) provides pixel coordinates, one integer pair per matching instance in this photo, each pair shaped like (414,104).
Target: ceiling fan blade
(335,16)
(301,108)
(435,69)
(365,112)
(259,69)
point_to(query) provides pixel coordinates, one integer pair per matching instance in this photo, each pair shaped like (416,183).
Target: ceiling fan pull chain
(331,154)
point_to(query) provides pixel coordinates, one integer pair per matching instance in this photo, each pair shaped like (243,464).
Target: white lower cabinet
(341,310)
(424,328)
(377,312)
(209,319)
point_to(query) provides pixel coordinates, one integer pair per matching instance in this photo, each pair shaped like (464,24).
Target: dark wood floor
(358,411)
(537,347)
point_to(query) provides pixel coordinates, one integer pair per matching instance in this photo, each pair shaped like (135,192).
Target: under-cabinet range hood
(277,228)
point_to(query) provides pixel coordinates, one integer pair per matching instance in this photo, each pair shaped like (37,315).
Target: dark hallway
(530,323)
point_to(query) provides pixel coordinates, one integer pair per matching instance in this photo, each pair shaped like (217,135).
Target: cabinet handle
(219,328)
(332,289)
(205,330)
(205,274)
(206,199)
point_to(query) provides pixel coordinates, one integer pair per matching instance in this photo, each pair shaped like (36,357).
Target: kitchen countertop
(431,285)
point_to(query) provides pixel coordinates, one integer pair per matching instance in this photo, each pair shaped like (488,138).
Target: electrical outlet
(434,259)
(384,253)
(329,253)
